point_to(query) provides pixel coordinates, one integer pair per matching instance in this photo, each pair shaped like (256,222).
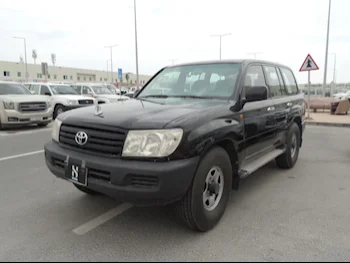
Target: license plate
(36,119)
(76,173)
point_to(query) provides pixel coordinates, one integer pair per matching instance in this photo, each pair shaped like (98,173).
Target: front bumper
(16,118)
(137,182)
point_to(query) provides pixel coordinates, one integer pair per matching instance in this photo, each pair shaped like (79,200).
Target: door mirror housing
(47,94)
(257,93)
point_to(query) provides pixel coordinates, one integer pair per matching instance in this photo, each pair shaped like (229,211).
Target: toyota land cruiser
(186,139)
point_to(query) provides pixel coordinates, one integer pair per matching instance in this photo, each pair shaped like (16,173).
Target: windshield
(63,90)
(100,90)
(13,89)
(201,81)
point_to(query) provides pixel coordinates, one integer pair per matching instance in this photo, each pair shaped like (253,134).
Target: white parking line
(87,227)
(24,132)
(20,155)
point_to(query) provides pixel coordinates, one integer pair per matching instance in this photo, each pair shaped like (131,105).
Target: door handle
(269,109)
(289,104)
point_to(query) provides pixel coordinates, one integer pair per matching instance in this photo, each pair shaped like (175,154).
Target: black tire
(191,209)
(58,108)
(288,160)
(41,125)
(86,190)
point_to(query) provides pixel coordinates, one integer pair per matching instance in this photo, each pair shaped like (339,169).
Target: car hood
(137,114)
(24,98)
(71,97)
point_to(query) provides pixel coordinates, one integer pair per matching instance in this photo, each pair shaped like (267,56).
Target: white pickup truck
(18,107)
(63,97)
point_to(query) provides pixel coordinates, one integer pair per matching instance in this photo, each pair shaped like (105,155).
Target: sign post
(308,65)
(120,76)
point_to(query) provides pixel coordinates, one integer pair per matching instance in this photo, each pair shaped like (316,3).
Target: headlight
(56,130)
(152,143)
(73,102)
(9,105)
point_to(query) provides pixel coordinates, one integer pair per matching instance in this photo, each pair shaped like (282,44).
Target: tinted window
(13,89)
(206,80)
(254,77)
(273,81)
(283,88)
(44,90)
(289,81)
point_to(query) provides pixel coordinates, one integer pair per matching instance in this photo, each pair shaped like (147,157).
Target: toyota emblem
(81,138)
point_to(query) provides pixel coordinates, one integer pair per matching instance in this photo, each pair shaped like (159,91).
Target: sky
(285,31)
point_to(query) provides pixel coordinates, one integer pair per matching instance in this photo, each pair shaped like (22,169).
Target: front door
(259,117)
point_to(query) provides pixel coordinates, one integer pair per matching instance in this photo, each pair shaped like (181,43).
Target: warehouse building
(13,71)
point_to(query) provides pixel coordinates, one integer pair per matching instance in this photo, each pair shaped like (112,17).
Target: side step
(250,167)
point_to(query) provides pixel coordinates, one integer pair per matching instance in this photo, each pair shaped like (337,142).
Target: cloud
(284,30)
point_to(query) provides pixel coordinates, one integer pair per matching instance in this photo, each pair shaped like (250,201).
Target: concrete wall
(13,71)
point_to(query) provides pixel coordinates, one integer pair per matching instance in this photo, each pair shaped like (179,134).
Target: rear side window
(274,81)
(289,81)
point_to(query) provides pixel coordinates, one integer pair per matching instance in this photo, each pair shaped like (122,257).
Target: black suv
(186,139)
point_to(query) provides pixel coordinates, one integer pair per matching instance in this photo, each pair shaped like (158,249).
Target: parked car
(101,93)
(18,107)
(342,95)
(63,97)
(189,147)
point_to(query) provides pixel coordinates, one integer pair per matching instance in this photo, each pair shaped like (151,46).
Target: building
(13,71)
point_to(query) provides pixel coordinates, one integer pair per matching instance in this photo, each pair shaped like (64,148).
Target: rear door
(259,117)
(280,100)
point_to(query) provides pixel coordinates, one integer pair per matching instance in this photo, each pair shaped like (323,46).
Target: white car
(99,92)
(342,95)
(18,107)
(63,97)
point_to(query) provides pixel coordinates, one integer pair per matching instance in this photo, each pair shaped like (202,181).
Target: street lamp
(221,36)
(25,54)
(136,47)
(327,44)
(334,73)
(111,48)
(172,61)
(255,53)
(108,67)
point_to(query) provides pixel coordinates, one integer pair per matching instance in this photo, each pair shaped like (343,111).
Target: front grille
(99,174)
(86,102)
(32,106)
(102,140)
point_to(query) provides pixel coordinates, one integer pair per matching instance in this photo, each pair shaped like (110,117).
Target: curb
(328,124)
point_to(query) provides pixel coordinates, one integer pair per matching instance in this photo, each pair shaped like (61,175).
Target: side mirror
(47,94)
(256,94)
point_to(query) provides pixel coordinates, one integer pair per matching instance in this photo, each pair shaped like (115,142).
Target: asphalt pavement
(296,215)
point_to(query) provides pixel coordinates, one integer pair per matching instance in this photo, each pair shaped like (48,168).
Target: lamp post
(136,47)
(327,44)
(221,36)
(111,48)
(25,54)
(255,53)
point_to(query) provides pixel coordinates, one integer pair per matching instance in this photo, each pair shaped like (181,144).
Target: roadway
(297,215)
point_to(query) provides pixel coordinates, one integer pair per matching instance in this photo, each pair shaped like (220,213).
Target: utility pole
(327,45)
(136,47)
(221,36)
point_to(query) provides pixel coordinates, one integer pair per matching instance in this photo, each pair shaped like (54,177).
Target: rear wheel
(86,190)
(205,202)
(290,157)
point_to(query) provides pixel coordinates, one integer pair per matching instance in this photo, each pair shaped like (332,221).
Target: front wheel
(205,202)
(58,110)
(290,157)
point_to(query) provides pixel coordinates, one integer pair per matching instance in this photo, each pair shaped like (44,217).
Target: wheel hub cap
(213,188)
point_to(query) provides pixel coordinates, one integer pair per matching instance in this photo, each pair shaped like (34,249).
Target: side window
(35,89)
(254,77)
(77,89)
(283,88)
(273,81)
(289,81)
(44,90)
(86,90)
